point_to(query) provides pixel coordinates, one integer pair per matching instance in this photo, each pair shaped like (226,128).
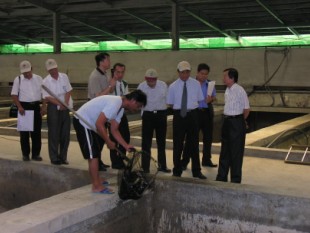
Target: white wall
(251,64)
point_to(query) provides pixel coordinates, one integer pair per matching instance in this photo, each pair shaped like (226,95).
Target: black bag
(13,111)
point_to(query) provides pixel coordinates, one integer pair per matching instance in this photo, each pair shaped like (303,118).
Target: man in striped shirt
(236,110)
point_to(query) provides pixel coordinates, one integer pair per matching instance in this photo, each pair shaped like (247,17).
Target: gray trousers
(58,123)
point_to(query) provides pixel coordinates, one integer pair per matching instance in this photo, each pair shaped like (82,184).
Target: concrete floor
(274,174)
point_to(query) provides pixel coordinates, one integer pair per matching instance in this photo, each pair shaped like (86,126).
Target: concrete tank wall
(251,63)
(183,206)
(23,183)
(175,206)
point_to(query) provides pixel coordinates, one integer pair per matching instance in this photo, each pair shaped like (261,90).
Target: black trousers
(154,122)
(205,120)
(188,128)
(206,127)
(35,134)
(232,149)
(59,123)
(123,128)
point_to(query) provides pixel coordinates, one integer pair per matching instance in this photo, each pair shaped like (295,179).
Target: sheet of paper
(25,122)
(211,85)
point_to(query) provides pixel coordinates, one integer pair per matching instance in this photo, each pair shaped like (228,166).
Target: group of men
(102,120)
(27,95)
(193,111)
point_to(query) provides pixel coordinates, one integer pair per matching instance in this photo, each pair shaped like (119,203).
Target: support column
(175,27)
(56,32)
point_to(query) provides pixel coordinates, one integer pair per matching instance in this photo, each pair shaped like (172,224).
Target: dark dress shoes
(56,162)
(26,158)
(65,162)
(37,158)
(184,168)
(102,168)
(208,164)
(164,169)
(103,164)
(200,176)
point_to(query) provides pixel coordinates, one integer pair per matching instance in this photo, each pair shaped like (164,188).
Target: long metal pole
(68,107)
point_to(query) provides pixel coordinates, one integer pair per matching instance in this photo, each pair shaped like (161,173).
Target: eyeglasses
(150,79)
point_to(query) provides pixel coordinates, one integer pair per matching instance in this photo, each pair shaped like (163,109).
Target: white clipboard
(25,122)
(211,86)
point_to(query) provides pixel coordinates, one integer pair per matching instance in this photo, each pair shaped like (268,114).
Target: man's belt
(31,103)
(233,116)
(156,111)
(188,110)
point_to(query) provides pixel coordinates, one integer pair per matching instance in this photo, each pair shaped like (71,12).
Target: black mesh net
(133,181)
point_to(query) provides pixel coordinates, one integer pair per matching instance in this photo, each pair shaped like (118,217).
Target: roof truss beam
(273,14)
(212,26)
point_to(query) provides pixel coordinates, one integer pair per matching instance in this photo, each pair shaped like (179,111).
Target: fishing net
(132,180)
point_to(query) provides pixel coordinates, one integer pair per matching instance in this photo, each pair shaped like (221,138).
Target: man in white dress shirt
(236,110)
(154,118)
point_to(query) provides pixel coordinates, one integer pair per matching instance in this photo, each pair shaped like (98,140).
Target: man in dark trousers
(27,95)
(58,117)
(154,118)
(236,110)
(120,89)
(205,116)
(100,83)
(183,96)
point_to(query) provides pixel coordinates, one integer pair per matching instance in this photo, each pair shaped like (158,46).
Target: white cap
(25,66)
(151,73)
(184,65)
(50,64)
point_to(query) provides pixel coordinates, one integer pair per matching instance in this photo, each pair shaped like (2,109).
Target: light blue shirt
(204,88)
(194,93)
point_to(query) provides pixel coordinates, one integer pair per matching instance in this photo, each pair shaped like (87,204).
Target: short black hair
(138,96)
(100,57)
(232,74)
(115,65)
(203,66)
